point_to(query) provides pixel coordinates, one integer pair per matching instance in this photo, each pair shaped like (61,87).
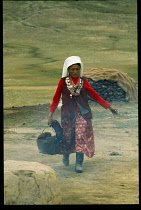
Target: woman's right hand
(50,118)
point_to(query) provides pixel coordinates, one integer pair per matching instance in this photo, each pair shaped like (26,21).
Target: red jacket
(86,89)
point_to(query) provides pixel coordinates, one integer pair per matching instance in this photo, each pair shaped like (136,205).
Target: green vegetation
(40,35)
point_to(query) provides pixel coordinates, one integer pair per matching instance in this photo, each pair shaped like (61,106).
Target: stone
(114,153)
(30,183)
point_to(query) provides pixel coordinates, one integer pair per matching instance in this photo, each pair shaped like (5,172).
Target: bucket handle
(47,127)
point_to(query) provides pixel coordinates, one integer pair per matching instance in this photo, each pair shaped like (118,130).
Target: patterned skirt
(77,136)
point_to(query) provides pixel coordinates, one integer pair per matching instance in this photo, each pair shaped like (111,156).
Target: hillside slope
(39,35)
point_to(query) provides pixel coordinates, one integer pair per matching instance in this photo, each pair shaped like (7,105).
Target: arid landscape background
(38,37)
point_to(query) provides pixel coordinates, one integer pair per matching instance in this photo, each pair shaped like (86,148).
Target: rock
(30,183)
(126,131)
(114,153)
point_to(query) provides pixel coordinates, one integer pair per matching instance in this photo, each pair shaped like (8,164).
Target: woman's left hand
(113,110)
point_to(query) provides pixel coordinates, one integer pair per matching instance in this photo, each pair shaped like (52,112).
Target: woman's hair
(75,64)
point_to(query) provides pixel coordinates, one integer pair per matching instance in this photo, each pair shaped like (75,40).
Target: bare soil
(110,177)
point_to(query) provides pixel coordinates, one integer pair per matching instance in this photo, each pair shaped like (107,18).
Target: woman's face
(74,70)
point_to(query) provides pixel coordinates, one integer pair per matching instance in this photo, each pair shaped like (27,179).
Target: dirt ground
(110,177)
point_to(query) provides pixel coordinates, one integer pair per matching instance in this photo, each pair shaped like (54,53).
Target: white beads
(74,89)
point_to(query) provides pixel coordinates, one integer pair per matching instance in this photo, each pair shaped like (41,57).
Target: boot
(79,161)
(66,159)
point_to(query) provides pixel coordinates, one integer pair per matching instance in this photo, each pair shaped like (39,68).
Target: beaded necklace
(74,89)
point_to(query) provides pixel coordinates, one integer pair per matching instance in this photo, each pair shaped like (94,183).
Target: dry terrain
(38,37)
(110,177)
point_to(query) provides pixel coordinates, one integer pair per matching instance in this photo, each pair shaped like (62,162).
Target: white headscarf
(70,61)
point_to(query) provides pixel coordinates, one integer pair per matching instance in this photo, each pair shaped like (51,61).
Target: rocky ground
(110,177)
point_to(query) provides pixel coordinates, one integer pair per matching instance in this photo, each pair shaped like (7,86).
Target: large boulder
(112,85)
(30,183)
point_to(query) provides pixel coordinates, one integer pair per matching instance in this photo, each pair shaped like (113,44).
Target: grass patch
(40,35)
(28,96)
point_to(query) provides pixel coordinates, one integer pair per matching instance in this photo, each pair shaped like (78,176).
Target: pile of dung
(112,85)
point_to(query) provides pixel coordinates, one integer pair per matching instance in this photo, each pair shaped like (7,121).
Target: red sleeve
(95,95)
(56,97)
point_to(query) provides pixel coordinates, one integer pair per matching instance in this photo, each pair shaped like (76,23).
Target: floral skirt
(77,136)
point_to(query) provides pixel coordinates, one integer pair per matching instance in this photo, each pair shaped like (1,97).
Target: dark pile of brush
(109,90)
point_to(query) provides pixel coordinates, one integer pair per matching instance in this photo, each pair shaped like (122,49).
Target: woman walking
(75,112)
